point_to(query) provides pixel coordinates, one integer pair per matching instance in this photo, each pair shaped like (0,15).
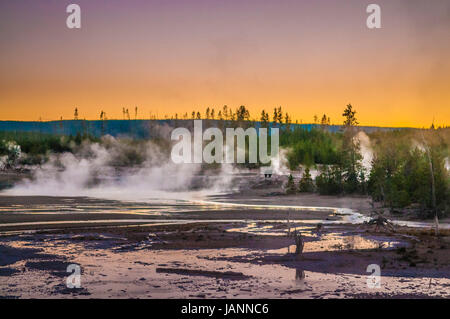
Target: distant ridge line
(138,128)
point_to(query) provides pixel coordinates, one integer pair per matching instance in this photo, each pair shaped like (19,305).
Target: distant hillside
(129,128)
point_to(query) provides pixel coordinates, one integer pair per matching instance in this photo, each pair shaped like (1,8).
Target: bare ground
(208,250)
(216,260)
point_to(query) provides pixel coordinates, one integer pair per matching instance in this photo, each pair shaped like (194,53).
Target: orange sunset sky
(167,57)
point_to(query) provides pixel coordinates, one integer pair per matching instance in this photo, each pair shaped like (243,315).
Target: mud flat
(209,250)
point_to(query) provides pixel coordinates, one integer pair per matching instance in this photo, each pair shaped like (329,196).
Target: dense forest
(408,168)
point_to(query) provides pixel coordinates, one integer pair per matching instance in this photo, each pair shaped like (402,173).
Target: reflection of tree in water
(299,275)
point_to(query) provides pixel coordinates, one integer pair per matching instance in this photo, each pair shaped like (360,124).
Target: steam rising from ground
(93,170)
(279,164)
(366,151)
(418,145)
(3,162)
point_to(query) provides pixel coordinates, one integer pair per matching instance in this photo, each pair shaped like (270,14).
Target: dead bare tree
(381,222)
(298,242)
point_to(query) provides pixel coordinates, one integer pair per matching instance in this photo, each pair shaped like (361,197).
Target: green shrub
(306,184)
(330,181)
(290,186)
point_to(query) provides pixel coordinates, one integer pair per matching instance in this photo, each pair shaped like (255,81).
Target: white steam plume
(279,164)
(366,151)
(91,172)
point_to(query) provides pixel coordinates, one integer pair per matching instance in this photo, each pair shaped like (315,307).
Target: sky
(167,57)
